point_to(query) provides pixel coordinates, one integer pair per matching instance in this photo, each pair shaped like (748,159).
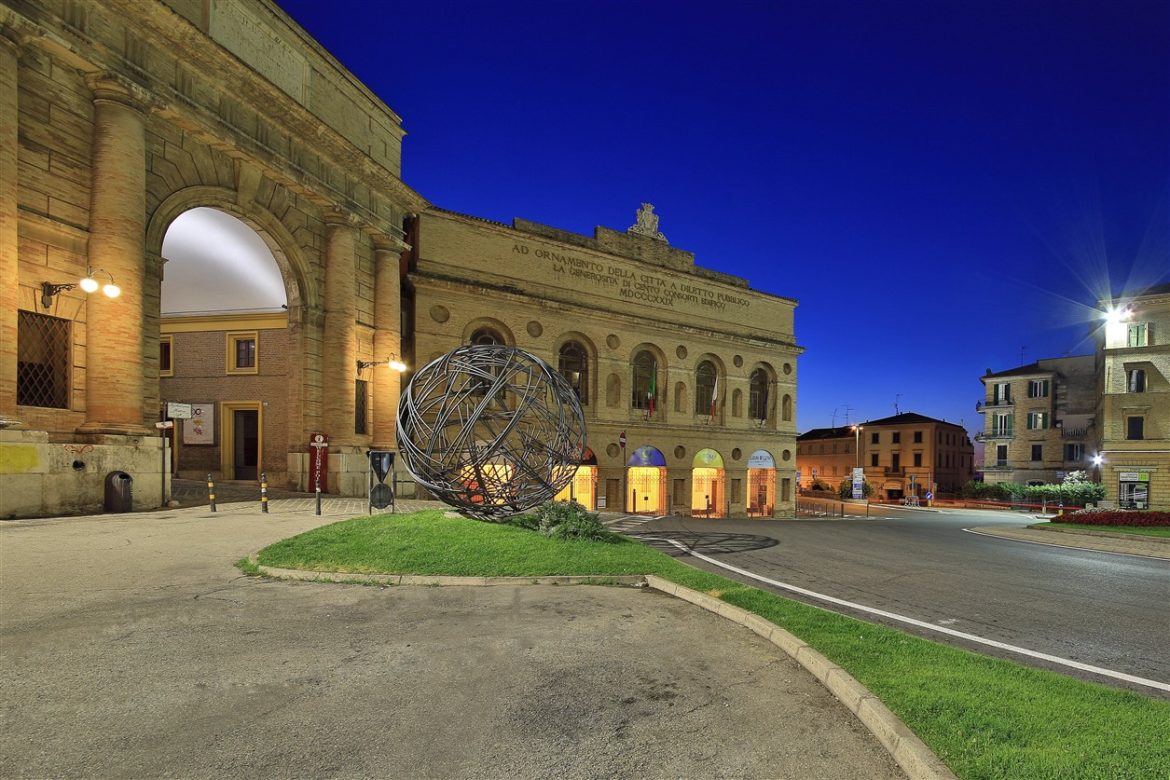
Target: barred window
(42,361)
(361,395)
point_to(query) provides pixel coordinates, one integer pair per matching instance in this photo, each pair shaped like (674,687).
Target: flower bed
(1114,517)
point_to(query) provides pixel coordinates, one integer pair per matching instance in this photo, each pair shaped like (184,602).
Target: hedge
(1114,517)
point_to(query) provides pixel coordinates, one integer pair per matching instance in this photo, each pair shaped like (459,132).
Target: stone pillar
(9,258)
(340,347)
(117,225)
(387,341)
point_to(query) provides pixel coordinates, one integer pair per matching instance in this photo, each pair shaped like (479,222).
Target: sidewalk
(1101,541)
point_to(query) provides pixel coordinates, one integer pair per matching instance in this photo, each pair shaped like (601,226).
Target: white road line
(922,624)
(1062,546)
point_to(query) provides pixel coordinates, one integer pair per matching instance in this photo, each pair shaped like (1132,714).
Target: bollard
(263,492)
(318,495)
(210,492)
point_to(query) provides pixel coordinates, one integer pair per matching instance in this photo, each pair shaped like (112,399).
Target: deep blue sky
(944,186)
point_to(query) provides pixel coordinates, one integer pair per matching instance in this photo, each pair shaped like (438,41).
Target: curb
(916,759)
(1145,547)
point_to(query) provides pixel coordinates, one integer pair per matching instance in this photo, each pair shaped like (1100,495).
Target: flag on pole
(714,396)
(652,390)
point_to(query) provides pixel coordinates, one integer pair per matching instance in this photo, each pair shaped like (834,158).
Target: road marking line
(922,624)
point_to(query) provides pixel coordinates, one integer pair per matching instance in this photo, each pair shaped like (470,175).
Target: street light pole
(857,444)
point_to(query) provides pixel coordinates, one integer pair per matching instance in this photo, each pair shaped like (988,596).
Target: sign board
(200,427)
(319,462)
(622,439)
(1134,476)
(178,411)
(859,483)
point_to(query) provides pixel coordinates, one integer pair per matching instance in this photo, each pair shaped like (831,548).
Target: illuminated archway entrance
(223,346)
(583,487)
(646,482)
(761,484)
(708,481)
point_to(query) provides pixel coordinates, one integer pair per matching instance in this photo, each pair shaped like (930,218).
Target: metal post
(318,490)
(634,491)
(210,492)
(263,492)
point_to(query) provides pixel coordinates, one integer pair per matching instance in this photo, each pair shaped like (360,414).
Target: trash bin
(119,496)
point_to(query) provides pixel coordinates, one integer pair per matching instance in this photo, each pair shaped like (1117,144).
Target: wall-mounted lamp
(392,362)
(89,284)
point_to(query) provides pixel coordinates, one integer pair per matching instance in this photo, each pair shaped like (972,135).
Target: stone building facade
(908,454)
(115,118)
(118,117)
(1133,401)
(687,376)
(1039,420)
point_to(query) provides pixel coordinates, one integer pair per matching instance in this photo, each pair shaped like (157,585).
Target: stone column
(387,341)
(117,225)
(340,347)
(9,259)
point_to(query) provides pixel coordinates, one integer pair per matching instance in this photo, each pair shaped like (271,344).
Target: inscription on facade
(635,286)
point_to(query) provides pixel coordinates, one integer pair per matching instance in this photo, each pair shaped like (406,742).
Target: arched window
(786,409)
(758,395)
(704,387)
(573,363)
(486,337)
(645,385)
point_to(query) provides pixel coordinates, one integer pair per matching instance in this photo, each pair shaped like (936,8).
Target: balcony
(994,403)
(894,471)
(999,465)
(1074,433)
(995,433)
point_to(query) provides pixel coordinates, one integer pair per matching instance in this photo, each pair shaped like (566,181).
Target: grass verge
(985,717)
(1127,530)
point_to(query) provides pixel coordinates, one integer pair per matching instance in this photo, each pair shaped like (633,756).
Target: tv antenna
(896,397)
(848,409)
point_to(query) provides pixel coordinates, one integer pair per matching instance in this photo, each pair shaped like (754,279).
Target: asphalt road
(1102,609)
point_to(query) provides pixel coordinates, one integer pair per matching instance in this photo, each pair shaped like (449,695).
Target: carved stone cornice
(111,87)
(386,243)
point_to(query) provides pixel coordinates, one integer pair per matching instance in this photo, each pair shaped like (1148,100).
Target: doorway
(241,451)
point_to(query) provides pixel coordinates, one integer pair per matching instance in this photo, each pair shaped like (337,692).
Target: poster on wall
(200,429)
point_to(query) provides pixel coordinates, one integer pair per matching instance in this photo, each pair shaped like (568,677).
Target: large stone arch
(301,286)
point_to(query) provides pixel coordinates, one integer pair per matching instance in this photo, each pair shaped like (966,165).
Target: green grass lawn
(1134,530)
(985,717)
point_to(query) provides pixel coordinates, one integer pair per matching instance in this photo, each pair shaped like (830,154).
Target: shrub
(570,520)
(846,489)
(1114,517)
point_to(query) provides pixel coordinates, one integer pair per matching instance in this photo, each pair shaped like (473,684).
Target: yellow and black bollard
(210,492)
(263,492)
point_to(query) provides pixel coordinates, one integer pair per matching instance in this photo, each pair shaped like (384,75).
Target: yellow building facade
(1133,448)
(687,376)
(118,118)
(908,454)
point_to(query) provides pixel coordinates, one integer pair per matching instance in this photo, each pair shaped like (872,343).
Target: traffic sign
(622,439)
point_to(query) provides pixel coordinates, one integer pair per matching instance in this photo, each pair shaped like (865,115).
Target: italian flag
(652,390)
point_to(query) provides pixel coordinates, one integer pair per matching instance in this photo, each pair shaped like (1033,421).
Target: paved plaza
(132,647)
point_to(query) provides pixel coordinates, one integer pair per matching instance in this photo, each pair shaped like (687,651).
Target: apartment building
(1133,400)
(908,454)
(1038,420)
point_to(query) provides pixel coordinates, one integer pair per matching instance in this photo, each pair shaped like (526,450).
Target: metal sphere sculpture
(491,430)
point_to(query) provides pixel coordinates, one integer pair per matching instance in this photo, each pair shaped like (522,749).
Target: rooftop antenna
(896,397)
(1022,351)
(834,418)
(847,410)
